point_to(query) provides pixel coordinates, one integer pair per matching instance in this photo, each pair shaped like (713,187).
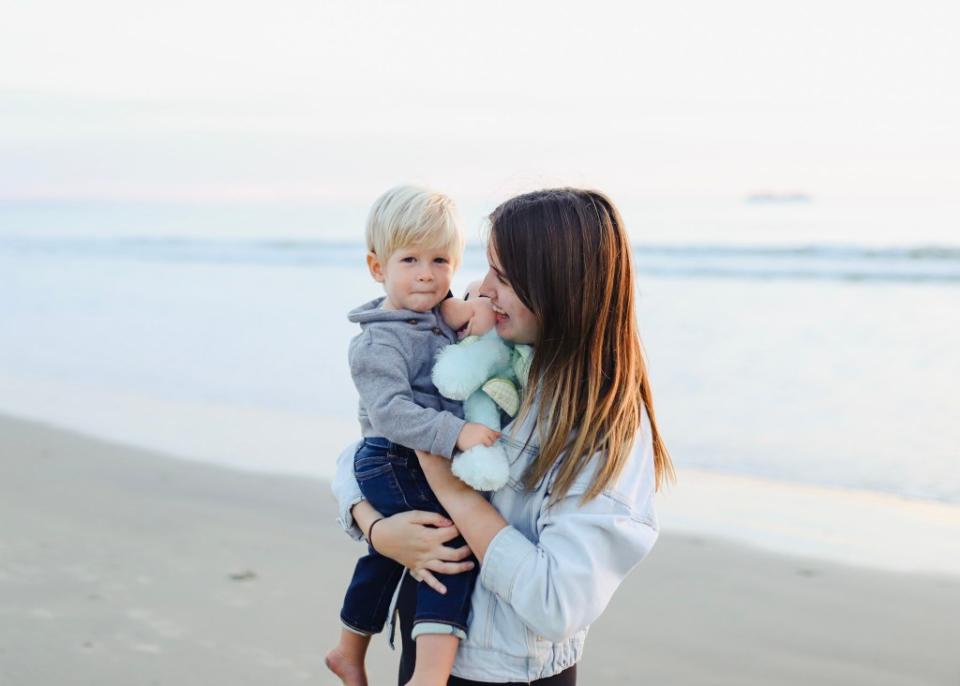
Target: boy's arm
(381,377)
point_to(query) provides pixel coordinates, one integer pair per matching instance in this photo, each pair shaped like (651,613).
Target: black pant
(407,605)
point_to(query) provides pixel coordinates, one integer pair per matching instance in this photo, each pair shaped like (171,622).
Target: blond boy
(414,244)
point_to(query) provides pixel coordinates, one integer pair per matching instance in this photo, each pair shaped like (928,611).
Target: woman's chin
(508,332)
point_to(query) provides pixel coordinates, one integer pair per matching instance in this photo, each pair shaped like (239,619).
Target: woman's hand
(479,520)
(411,539)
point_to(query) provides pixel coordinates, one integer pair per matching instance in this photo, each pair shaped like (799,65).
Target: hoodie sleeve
(381,376)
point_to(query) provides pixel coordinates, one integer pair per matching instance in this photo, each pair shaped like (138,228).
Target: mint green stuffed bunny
(487,374)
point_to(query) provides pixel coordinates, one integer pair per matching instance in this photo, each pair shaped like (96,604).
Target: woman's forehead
(492,254)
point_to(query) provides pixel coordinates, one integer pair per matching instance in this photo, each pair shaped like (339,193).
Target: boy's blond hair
(405,216)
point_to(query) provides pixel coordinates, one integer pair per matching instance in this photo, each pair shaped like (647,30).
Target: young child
(414,244)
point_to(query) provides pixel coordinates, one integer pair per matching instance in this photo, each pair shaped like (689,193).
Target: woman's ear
(375,267)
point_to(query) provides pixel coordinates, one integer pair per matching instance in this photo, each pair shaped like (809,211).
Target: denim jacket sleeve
(561,583)
(347,491)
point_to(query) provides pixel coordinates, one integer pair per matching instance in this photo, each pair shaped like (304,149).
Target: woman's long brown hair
(566,254)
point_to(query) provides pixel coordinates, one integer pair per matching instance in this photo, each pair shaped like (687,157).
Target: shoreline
(833,523)
(130,565)
(860,528)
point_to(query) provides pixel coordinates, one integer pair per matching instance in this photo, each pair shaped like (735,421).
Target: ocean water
(831,363)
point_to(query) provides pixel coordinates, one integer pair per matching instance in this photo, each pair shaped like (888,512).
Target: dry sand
(118,566)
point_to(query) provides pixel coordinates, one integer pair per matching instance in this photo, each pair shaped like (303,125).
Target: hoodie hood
(371,312)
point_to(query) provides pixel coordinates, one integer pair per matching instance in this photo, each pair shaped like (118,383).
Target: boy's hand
(473,434)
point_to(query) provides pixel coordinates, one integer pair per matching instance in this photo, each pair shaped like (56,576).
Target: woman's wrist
(369,533)
(364,514)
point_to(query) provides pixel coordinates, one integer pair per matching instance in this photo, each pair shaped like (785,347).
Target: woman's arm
(364,515)
(347,491)
(478,520)
(561,583)
(414,539)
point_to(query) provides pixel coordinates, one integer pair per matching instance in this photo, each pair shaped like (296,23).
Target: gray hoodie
(391,361)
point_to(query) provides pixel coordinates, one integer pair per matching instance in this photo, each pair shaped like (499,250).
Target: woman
(586,455)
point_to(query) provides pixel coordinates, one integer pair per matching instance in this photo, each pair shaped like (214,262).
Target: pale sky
(335,101)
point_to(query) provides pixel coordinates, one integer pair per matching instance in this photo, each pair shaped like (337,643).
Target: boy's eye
(409,260)
(441,260)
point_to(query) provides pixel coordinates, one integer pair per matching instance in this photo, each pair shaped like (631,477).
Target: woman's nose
(485,288)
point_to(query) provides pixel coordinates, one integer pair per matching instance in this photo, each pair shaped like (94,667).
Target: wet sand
(121,566)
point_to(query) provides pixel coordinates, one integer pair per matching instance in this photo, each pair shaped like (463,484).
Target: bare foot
(350,673)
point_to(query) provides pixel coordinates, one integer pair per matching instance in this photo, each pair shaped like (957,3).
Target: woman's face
(515,323)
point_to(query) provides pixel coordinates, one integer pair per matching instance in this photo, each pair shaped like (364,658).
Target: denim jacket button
(411,321)
(437,331)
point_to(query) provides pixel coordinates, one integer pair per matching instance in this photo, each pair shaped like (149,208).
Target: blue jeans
(390,478)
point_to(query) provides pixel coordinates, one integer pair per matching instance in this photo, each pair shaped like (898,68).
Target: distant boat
(767,198)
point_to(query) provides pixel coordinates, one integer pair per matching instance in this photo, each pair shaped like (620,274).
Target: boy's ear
(375,267)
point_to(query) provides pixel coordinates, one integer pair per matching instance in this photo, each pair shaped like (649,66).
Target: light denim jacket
(552,571)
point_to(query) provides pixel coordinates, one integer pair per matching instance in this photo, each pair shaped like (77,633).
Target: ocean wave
(911,263)
(822,251)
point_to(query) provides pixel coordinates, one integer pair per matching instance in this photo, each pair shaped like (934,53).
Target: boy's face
(415,278)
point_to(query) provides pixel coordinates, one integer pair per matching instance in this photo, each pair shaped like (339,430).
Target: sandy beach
(120,566)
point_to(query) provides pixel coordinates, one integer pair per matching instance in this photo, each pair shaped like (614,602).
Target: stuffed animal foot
(482,468)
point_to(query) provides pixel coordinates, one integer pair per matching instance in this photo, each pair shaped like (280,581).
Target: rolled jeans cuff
(438,628)
(354,630)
